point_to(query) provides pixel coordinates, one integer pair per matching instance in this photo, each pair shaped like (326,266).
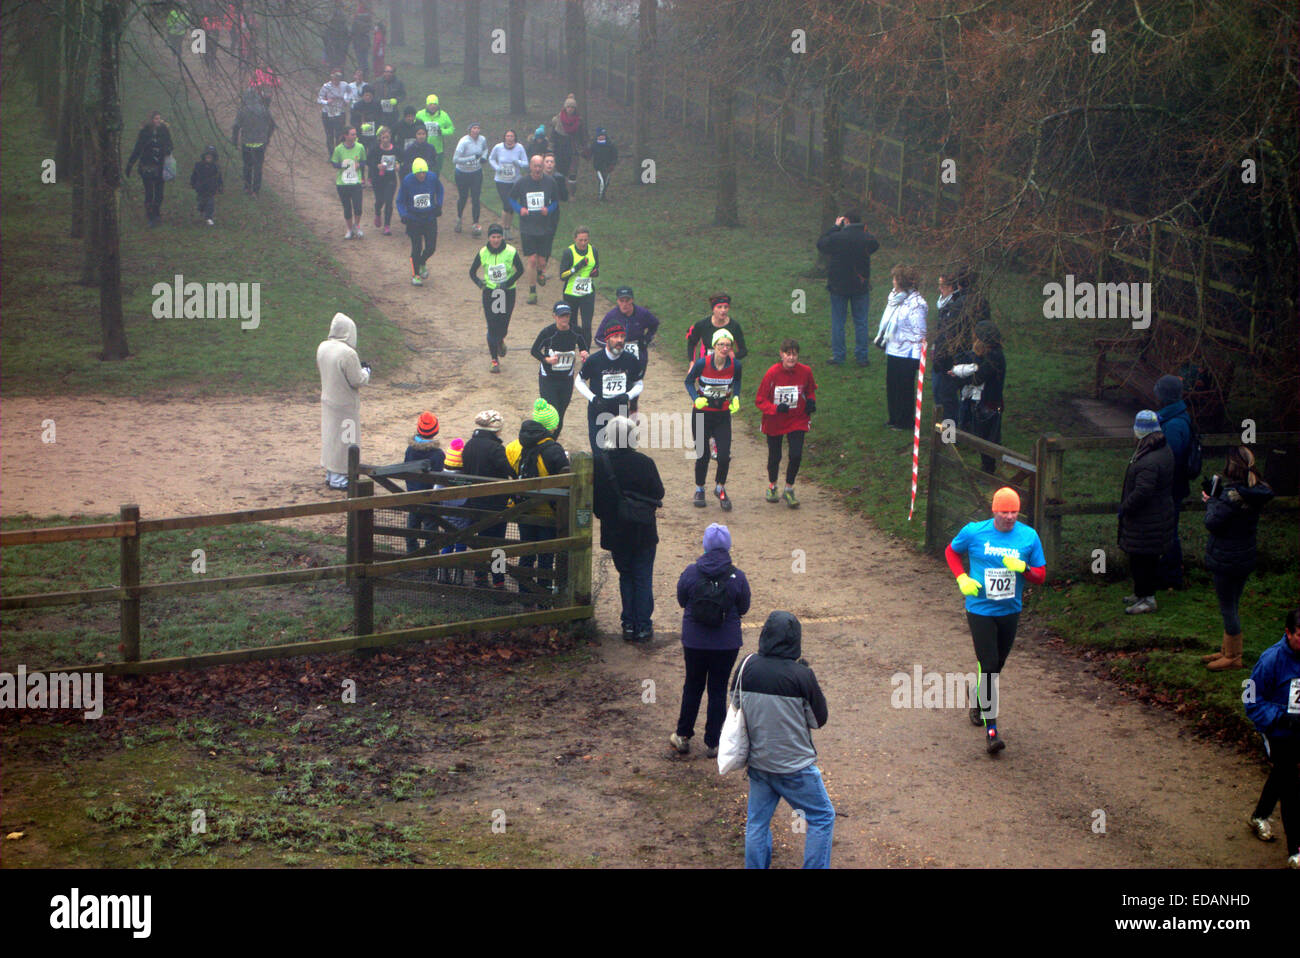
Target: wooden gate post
(1049,462)
(577,584)
(354,470)
(363,601)
(130,578)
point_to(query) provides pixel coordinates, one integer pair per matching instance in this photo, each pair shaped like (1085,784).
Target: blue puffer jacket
(1176,424)
(1274,674)
(695,635)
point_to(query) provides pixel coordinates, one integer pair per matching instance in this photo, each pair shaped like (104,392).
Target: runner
(533,198)
(366,118)
(579,265)
(713,383)
(333,107)
(1003,554)
(468,161)
(616,375)
(559,349)
(382,160)
(700,336)
(421,149)
(640,323)
(419,203)
(509,162)
(561,194)
(439,125)
(390,92)
(787,397)
(404,133)
(350,160)
(502,268)
(604,157)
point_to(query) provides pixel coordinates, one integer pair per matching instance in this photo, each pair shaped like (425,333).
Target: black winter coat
(849,249)
(636,472)
(1146,509)
(152,146)
(958,315)
(1232,518)
(485,456)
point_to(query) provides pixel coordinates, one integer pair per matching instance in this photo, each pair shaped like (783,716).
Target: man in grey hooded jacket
(783,703)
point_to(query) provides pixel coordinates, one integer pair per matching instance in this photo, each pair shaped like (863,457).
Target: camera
(1212,485)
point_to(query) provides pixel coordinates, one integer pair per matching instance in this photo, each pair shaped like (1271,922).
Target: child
(423,447)
(206,180)
(786,397)
(452,464)
(538,144)
(604,157)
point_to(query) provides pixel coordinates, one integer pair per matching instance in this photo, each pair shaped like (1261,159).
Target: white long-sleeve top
(333,98)
(470,153)
(904,318)
(508,165)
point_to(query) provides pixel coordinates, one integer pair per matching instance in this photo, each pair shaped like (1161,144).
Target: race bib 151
(786,394)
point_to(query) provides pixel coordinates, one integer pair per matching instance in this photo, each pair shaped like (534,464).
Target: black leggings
(558,391)
(351,197)
(424,240)
(468,186)
(333,132)
(1228,588)
(153,195)
(993,636)
(900,390)
(498,318)
(711,668)
(716,426)
(774,456)
(385,190)
(584,308)
(1145,568)
(1283,784)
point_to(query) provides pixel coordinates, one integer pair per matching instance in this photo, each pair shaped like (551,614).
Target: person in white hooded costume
(342,374)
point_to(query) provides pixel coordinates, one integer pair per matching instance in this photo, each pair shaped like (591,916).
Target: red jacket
(796,420)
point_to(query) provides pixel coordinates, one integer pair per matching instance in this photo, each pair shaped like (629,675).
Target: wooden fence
(570,492)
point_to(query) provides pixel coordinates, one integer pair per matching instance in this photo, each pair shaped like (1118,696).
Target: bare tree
(431,58)
(516,53)
(726,211)
(108,154)
(647,38)
(575,52)
(396,25)
(469,73)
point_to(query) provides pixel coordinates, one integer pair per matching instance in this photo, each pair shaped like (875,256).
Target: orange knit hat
(1006,499)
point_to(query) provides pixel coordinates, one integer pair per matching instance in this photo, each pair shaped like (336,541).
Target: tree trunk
(832,148)
(647,38)
(515,52)
(431,33)
(727,212)
(575,53)
(469,75)
(91,220)
(396,26)
(109,131)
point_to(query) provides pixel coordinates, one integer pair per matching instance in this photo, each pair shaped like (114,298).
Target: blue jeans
(636,585)
(861,332)
(803,790)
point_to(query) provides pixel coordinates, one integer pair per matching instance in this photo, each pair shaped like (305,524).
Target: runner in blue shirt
(1003,553)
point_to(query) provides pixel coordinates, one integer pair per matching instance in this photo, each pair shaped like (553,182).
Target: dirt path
(911,786)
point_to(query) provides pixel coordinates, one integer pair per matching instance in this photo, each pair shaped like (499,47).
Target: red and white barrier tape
(916,430)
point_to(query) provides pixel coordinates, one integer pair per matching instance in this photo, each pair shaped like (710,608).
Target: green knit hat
(546,415)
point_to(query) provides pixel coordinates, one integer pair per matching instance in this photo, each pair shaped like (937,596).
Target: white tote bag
(733,747)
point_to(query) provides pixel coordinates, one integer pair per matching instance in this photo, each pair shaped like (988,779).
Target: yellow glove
(1015,565)
(735,405)
(700,402)
(968,585)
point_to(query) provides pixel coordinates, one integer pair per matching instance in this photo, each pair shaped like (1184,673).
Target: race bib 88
(497,272)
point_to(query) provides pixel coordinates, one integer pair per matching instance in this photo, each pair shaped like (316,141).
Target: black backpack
(711,603)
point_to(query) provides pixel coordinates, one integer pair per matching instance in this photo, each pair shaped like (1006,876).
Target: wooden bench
(1135,364)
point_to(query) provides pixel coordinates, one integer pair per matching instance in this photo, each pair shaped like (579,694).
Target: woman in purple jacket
(714,595)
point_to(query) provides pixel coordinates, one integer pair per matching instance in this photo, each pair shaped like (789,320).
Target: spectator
(342,375)
(985,366)
(958,310)
(252,134)
(1275,710)
(538,144)
(537,453)
(1176,424)
(849,246)
(714,596)
(452,465)
(378,48)
(604,157)
(1233,503)
(207,183)
(153,145)
(569,134)
(1146,510)
(901,333)
(626,492)
(782,703)
(485,457)
(423,448)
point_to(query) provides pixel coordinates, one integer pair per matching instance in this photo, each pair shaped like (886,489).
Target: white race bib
(613,384)
(632,348)
(335,108)
(535,201)
(1293,698)
(422,201)
(564,362)
(431,126)
(581,285)
(388,105)
(507,173)
(349,173)
(406,144)
(786,394)
(498,272)
(388,161)
(715,392)
(999,583)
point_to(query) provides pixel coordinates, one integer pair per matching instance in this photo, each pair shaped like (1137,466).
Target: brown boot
(1221,654)
(1231,657)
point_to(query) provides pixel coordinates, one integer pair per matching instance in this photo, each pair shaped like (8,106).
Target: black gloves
(783,407)
(810,406)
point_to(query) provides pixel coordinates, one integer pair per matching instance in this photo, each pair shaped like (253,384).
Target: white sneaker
(210,223)
(348,235)
(1142,605)
(1293,861)
(357,234)
(1260,828)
